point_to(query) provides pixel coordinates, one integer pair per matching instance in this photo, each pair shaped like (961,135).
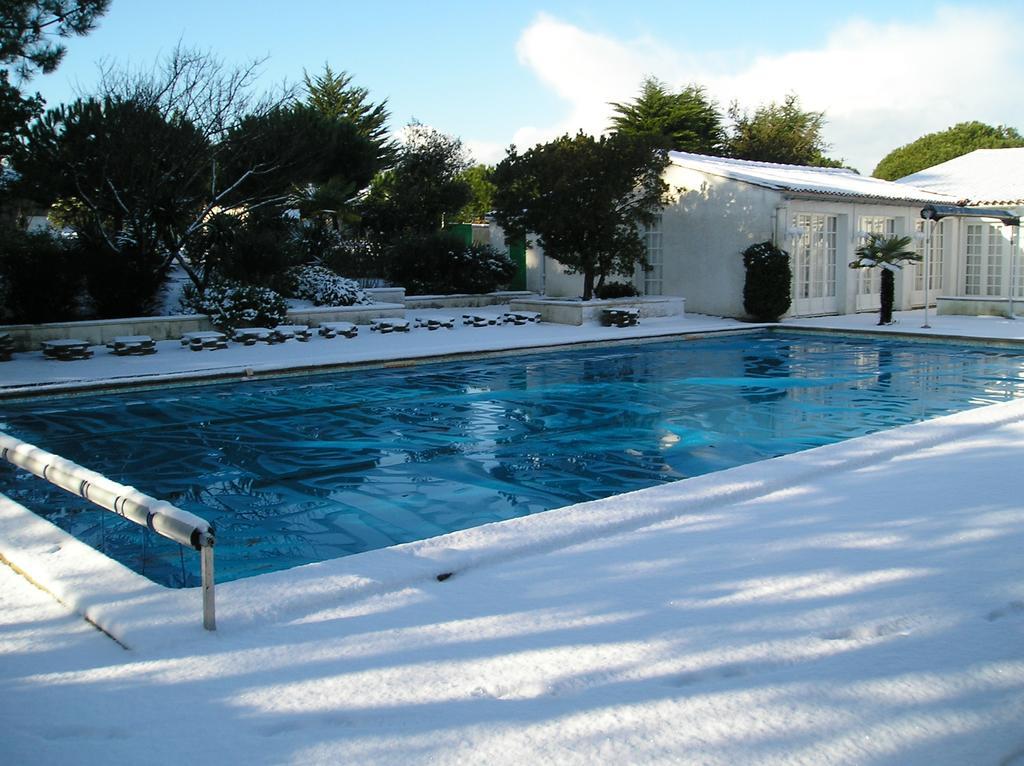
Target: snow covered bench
(478,320)
(204,340)
(334,329)
(6,346)
(250,336)
(390,324)
(300,332)
(436,323)
(66,349)
(620,317)
(123,345)
(520,317)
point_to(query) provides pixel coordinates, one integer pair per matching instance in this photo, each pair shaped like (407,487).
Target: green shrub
(231,305)
(120,284)
(355,258)
(259,250)
(439,263)
(39,278)
(616,290)
(322,287)
(766,291)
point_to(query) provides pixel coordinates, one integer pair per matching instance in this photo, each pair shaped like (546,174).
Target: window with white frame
(972,260)
(984,261)
(654,272)
(816,255)
(994,248)
(936,248)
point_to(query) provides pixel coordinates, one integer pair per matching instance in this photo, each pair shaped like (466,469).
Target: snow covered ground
(857,603)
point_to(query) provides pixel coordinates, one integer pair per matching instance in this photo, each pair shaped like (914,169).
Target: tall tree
(142,169)
(424,190)
(779,133)
(30,31)
(935,148)
(333,95)
(481,185)
(687,121)
(584,199)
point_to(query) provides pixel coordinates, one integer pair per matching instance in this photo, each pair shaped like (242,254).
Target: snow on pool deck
(857,603)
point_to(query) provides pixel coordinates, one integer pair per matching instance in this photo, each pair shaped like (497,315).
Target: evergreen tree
(779,133)
(423,191)
(935,148)
(333,95)
(687,121)
(481,185)
(584,199)
(29,31)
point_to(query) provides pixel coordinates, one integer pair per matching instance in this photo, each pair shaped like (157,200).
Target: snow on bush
(231,304)
(322,287)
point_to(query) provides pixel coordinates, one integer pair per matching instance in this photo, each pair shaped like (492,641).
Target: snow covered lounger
(520,317)
(390,324)
(123,345)
(205,340)
(6,346)
(334,329)
(436,323)
(66,349)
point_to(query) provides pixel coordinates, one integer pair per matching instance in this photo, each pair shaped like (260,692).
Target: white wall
(704,233)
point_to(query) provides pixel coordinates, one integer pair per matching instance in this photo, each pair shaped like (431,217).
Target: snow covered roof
(981,177)
(832,182)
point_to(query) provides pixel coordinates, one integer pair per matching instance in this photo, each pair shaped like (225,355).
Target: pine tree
(333,95)
(687,121)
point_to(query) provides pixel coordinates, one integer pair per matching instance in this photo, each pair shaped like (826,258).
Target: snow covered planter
(322,287)
(231,304)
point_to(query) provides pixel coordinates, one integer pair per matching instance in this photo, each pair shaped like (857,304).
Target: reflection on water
(306,469)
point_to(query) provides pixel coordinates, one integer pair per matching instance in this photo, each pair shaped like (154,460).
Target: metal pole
(927,271)
(1014,242)
(209,605)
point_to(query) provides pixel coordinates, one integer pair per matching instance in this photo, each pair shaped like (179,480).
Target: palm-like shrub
(889,254)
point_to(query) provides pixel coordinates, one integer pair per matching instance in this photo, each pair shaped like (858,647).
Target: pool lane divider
(161,517)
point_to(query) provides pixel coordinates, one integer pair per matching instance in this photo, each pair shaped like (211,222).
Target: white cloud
(880,85)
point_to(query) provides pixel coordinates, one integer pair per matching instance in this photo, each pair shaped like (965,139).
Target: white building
(820,215)
(987,256)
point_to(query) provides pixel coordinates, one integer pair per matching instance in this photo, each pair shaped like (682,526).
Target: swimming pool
(300,469)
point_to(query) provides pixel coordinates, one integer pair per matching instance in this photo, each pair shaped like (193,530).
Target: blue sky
(497,73)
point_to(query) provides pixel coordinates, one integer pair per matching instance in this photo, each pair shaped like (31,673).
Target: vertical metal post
(929,234)
(209,606)
(1014,243)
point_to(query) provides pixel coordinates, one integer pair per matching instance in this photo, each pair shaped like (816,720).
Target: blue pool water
(302,469)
